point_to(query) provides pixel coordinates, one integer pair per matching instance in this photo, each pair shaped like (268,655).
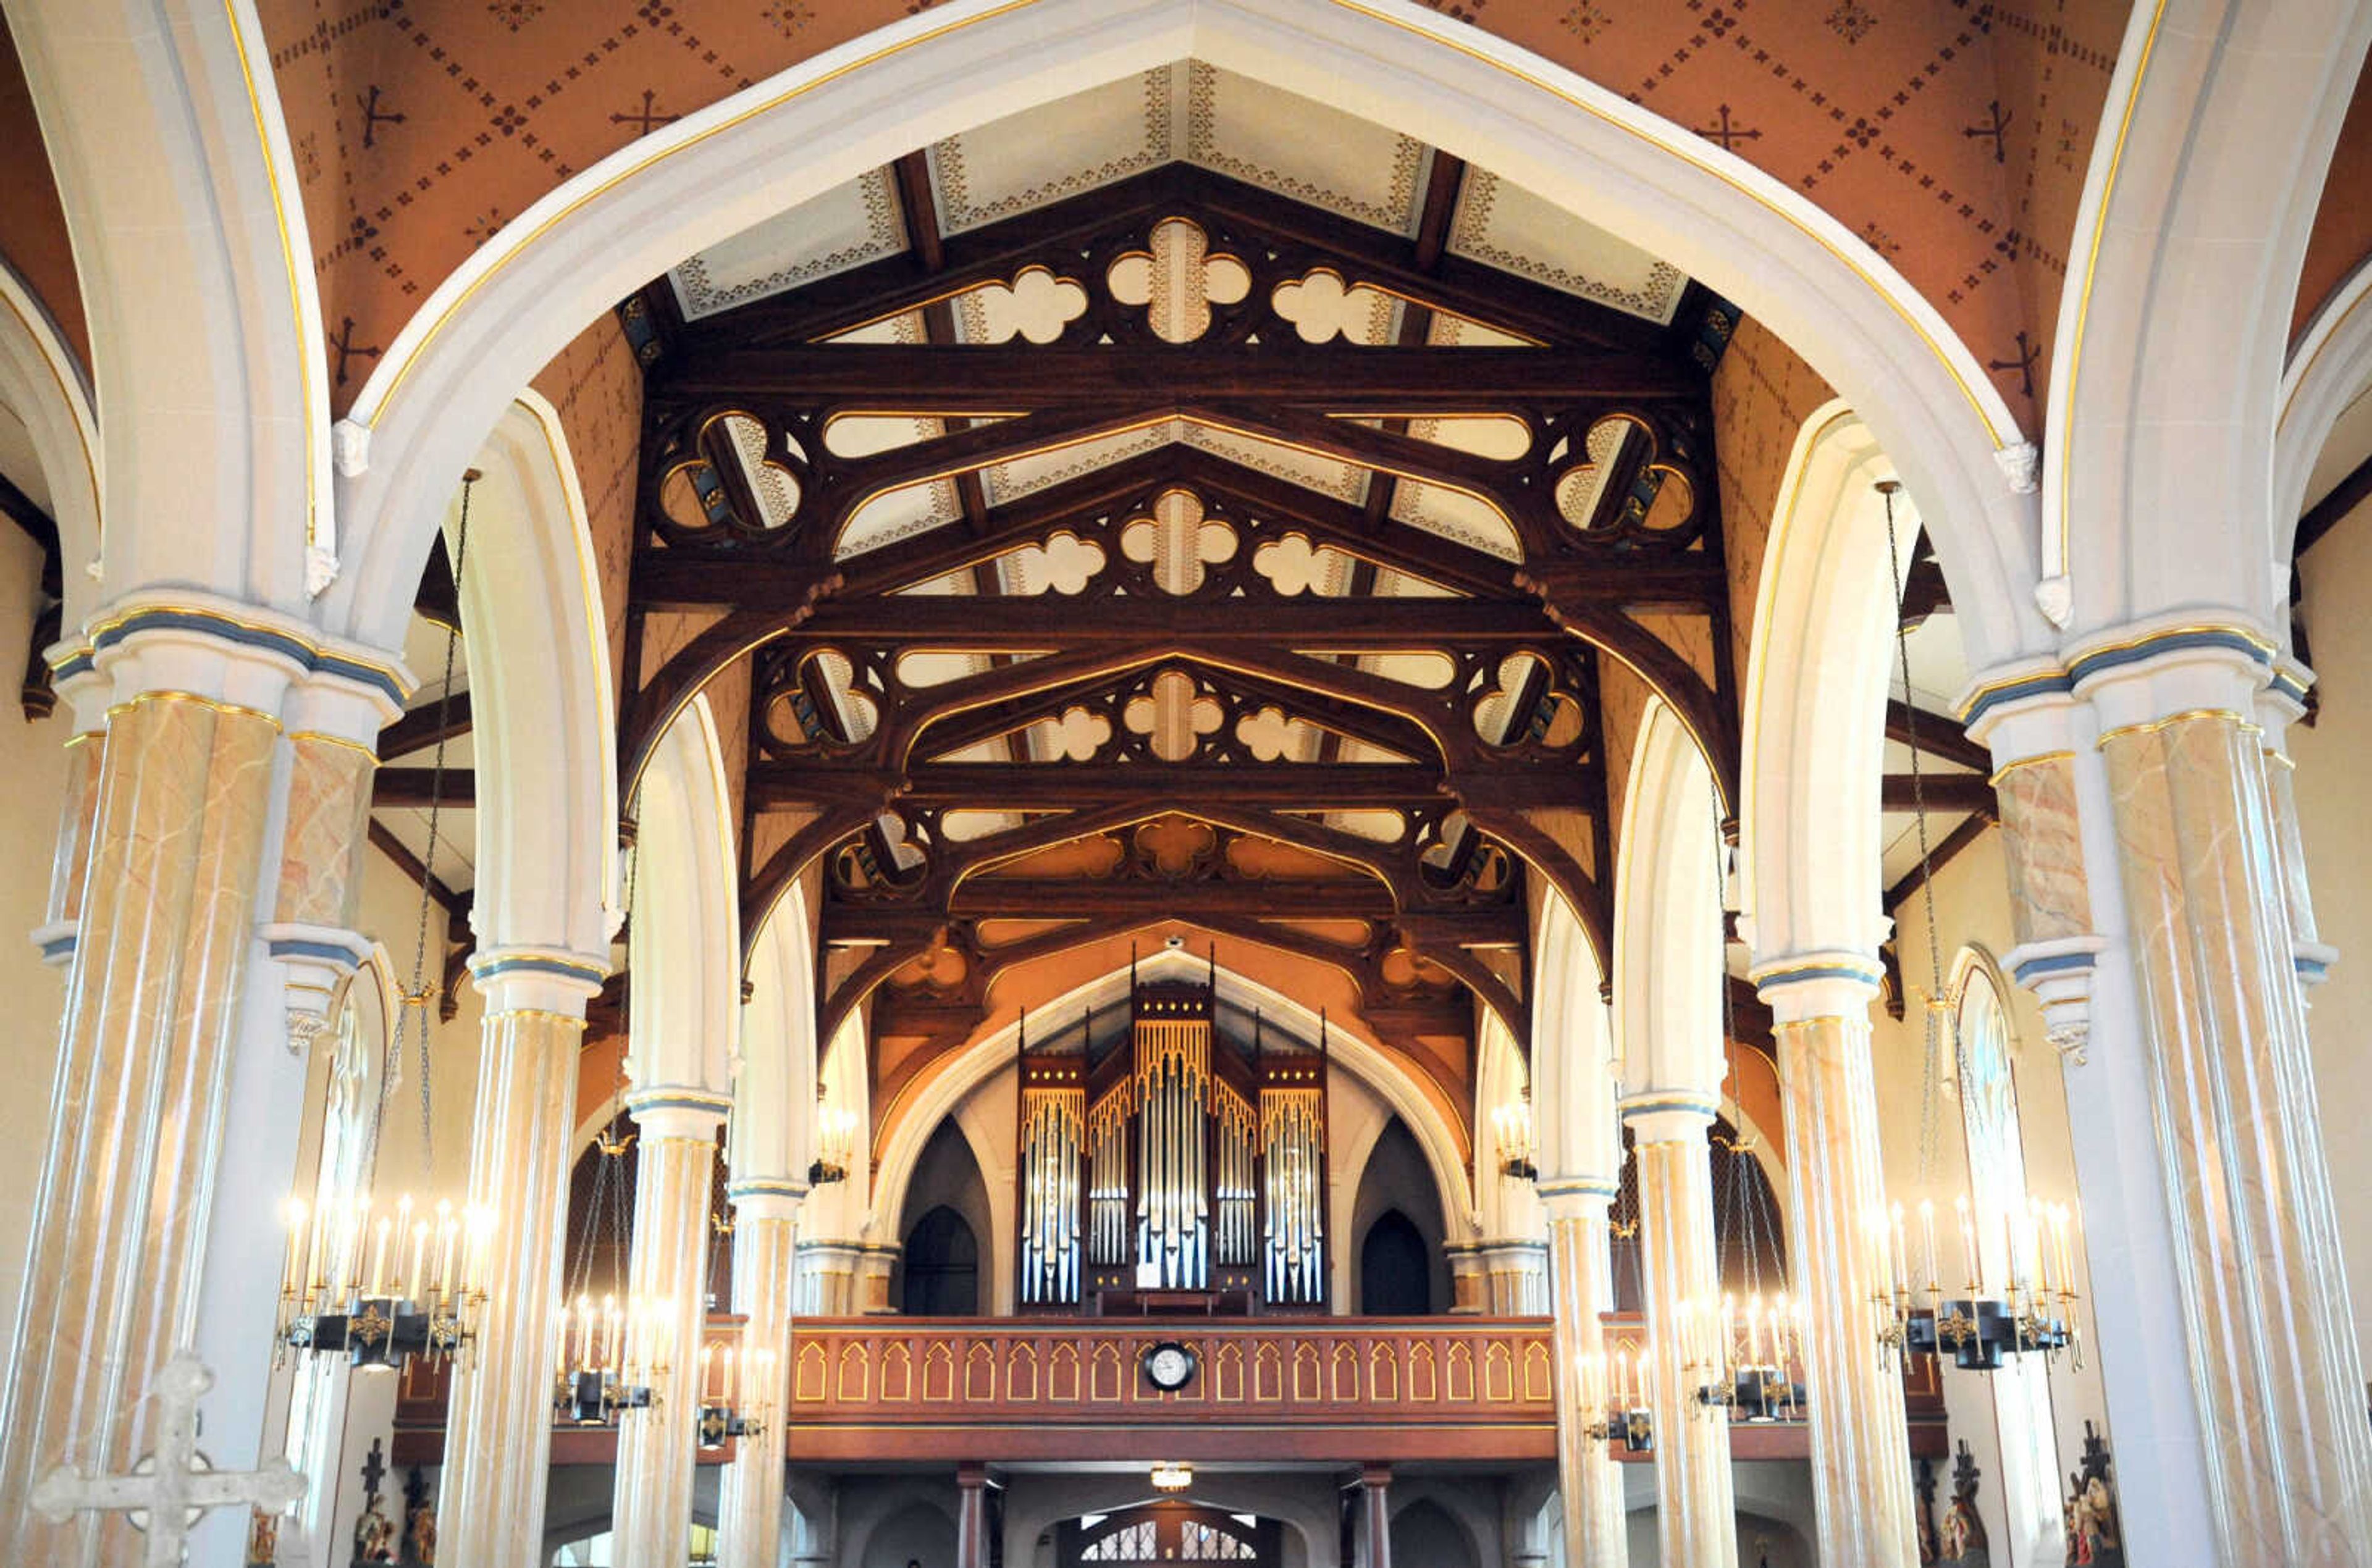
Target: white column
(1590,1485)
(749,1497)
(675,1164)
(498,1436)
(1696,1509)
(1836,1184)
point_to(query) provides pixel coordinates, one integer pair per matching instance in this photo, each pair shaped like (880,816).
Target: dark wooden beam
(1941,855)
(39,526)
(954,625)
(1942,792)
(1923,593)
(1440,205)
(410,788)
(438,597)
(1006,378)
(1183,787)
(456,905)
(912,173)
(1938,734)
(425,725)
(2325,515)
(994,252)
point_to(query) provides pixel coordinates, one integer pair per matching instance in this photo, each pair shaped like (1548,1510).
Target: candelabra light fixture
(836,1142)
(1512,1125)
(609,1358)
(736,1395)
(1744,1360)
(1172,1477)
(2029,1307)
(1614,1386)
(380,1290)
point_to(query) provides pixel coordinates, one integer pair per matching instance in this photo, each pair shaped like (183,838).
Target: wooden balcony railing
(1345,1389)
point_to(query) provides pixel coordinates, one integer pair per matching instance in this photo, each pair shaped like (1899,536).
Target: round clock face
(1169,1366)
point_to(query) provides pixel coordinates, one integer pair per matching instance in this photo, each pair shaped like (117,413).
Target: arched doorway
(942,1267)
(1393,1269)
(1172,1531)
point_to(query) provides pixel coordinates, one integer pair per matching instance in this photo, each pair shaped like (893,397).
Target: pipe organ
(1172,1166)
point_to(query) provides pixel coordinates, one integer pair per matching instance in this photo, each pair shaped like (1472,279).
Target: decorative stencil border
(1202,147)
(885,235)
(951,182)
(1654,300)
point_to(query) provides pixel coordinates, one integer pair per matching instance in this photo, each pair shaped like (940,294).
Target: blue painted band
(336,952)
(2087,664)
(536,963)
(60,947)
(2310,968)
(1868,974)
(2051,683)
(2052,963)
(306,655)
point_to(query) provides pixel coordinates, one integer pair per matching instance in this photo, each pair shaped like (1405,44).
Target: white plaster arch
(42,383)
(2331,369)
(541,694)
(1815,720)
(684,942)
(837,1211)
(2174,320)
(1573,1053)
(1506,1208)
(958,1077)
(775,1076)
(1298,1500)
(1668,920)
(876,1509)
(179,183)
(604,233)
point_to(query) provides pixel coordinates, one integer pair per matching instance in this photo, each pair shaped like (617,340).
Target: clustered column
(1695,1524)
(498,1435)
(171,862)
(1588,1483)
(675,1164)
(1861,1469)
(2272,1358)
(749,1500)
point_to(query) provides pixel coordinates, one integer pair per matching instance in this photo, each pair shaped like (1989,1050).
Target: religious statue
(1925,1514)
(374,1535)
(420,1519)
(2094,1537)
(1963,1544)
(262,1539)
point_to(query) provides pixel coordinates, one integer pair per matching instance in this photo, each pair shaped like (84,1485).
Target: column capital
(1838,983)
(1579,1197)
(766,1197)
(2174,664)
(1668,1116)
(537,979)
(1376,1477)
(243,654)
(678,1110)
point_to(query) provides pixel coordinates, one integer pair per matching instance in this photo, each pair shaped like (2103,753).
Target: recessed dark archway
(942,1268)
(1394,1269)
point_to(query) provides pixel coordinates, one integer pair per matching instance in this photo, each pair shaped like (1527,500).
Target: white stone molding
(1668,920)
(1815,705)
(540,681)
(685,941)
(42,383)
(775,1076)
(175,171)
(2174,321)
(2329,370)
(571,255)
(1573,1054)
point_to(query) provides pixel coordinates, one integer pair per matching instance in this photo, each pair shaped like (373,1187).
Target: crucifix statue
(173,1484)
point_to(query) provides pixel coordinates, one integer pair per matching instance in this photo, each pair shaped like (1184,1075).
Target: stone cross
(173,1484)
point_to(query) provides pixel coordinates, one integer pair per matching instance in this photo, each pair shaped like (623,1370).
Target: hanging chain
(1932,1006)
(417,997)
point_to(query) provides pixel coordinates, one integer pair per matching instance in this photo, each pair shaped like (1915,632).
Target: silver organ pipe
(1108,1206)
(1238,1199)
(1293,1147)
(1052,1120)
(1173,1091)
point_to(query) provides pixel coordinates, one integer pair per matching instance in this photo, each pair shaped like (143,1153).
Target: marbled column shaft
(1588,1483)
(71,862)
(2289,850)
(1695,1503)
(2274,1362)
(176,840)
(675,1164)
(749,1500)
(327,825)
(1861,1465)
(498,1437)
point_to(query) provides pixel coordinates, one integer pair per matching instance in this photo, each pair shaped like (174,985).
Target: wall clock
(1169,1366)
